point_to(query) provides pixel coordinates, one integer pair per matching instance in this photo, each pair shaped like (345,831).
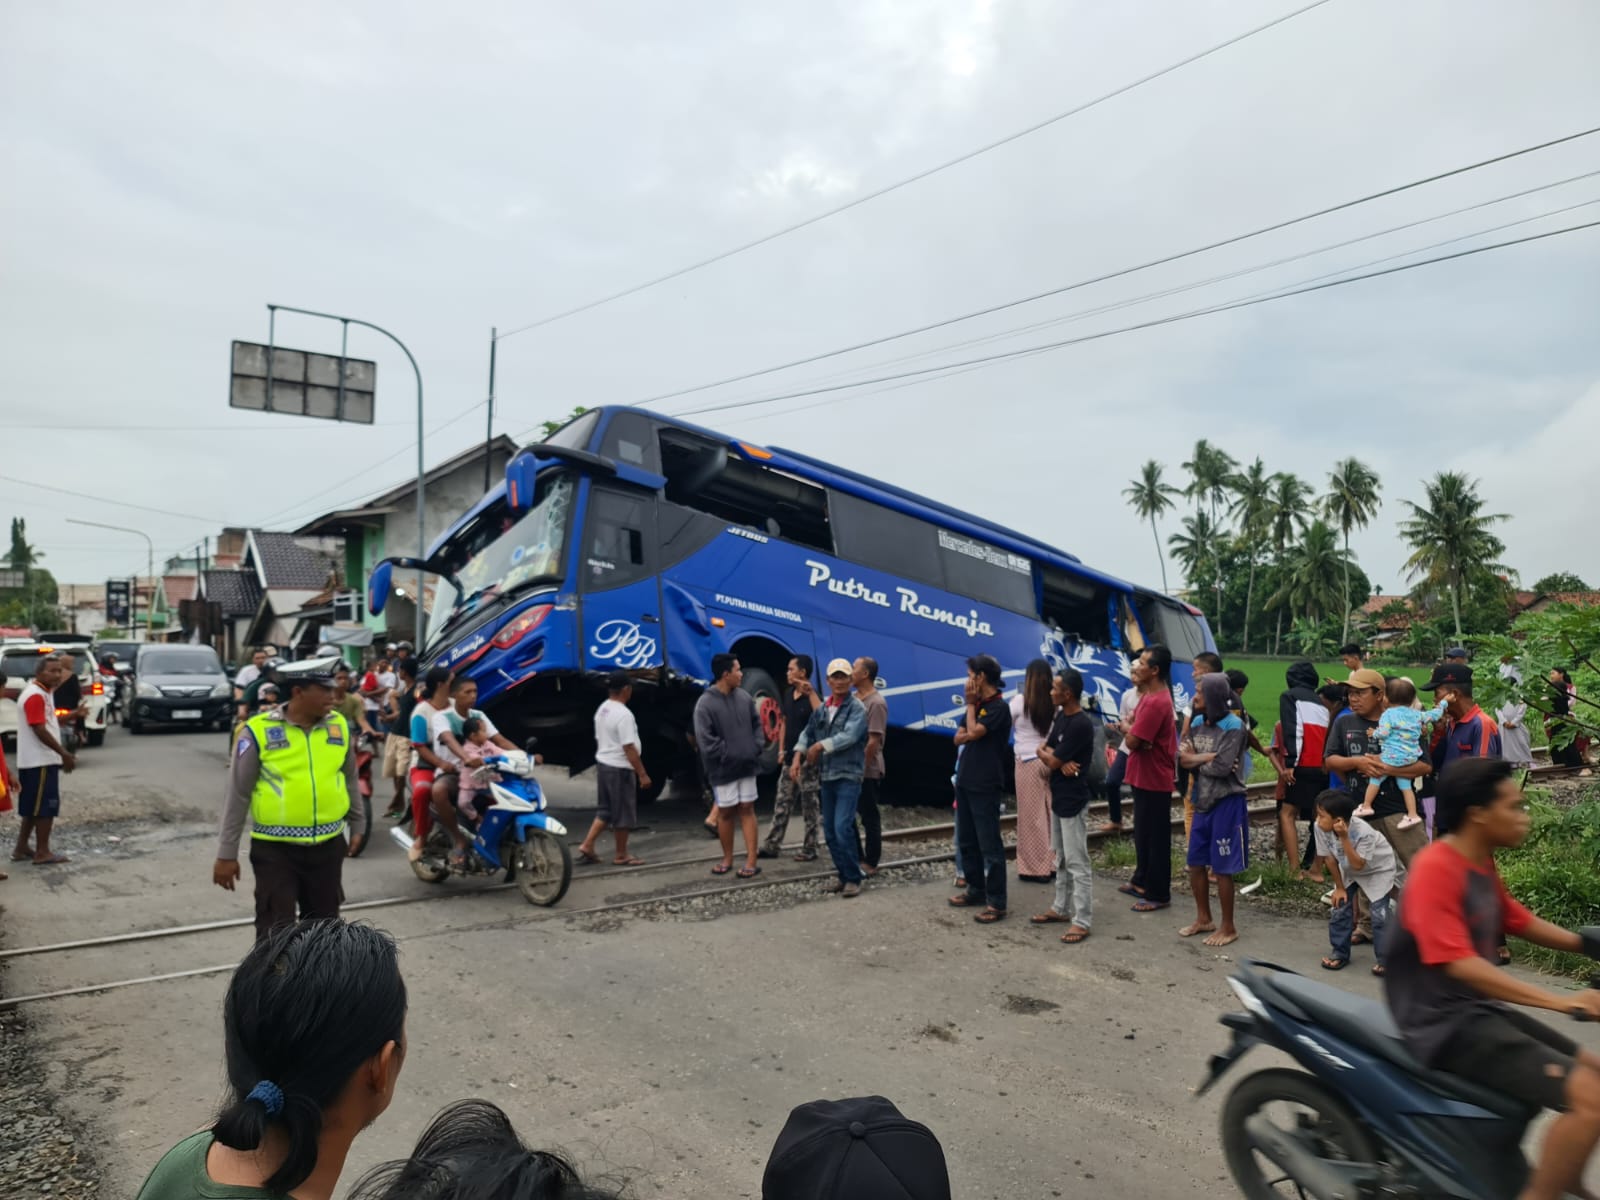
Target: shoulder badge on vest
(335,734)
(277,737)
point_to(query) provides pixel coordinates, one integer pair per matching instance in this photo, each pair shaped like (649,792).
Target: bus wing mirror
(381,581)
(521,472)
(378,587)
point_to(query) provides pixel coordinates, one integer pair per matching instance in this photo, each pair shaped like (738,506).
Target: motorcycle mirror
(378,587)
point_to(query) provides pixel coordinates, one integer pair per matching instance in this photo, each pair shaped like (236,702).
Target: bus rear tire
(764,691)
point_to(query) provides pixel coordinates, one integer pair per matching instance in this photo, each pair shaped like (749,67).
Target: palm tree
(1151,496)
(1199,548)
(1312,571)
(1210,473)
(1290,507)
(1352,501)
(1252,507)
(1451,536)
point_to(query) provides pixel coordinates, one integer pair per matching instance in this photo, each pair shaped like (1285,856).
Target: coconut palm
(1312,571)
(1252,508)
(1451,537)
(1352,501)
(1150,497)
(1210,471)
(1290,508)
(1199,548)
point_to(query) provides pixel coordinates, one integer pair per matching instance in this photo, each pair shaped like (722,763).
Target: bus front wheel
(763,690)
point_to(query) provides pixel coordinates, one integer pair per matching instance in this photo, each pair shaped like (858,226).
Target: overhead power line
(162,512)
(988,359)
(910,179)
(1123,271)
(1179,289)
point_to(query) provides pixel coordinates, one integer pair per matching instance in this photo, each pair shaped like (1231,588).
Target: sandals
(722,868)
(586,857)
(1335,964)
(965,901)
(1377,969)
(1046,917)
(989,915)
(1073,936)
(748,872)
(1128,889)
(626,862)
(1150,906)
(806,856)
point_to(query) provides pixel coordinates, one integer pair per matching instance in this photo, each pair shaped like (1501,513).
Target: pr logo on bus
(623,644)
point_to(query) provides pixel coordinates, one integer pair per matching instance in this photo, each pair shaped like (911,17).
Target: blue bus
(631,541)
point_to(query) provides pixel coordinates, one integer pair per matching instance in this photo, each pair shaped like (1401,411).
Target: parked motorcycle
(364,755)
(73,734)
(514,835)
(1362,1117)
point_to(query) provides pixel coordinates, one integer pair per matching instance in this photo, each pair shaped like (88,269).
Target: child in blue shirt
(1400,734)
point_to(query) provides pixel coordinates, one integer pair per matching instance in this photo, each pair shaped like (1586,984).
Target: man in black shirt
(798,700)
(1352,751)
(1066,754)
(984,738)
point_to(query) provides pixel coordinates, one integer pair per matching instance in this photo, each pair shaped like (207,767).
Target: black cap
(1456,652)
(860,1149)
(1449,674)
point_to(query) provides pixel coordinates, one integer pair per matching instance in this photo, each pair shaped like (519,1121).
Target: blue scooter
(1362,1118)
(514,834)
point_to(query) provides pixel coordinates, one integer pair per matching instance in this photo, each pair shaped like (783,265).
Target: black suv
(178,685)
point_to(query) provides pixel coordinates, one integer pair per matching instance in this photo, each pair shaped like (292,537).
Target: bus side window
(619,546)
(1133,640)
(1075,606)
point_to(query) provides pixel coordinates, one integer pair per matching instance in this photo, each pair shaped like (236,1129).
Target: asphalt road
(663,1048)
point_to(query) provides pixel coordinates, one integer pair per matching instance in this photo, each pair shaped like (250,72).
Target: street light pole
(422,533)
(150,566)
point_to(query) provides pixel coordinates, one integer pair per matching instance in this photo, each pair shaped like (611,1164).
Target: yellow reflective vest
(301,794)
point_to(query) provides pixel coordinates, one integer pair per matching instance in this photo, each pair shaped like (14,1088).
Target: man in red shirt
(40,760)
(1152,745)
(1451,1001)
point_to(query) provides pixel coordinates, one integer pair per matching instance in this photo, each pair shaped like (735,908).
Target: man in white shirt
(247,675)
(40,760)
(619,772)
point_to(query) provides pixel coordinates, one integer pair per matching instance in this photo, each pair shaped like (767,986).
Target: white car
(19,661)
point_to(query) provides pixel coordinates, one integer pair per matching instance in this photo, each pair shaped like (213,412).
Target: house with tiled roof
(1546,600)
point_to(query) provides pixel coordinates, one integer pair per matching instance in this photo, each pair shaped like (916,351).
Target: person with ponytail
(471,1152)
(314,1038)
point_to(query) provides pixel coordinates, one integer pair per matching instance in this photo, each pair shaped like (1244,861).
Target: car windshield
(498,555)
(19,664)
(179,662)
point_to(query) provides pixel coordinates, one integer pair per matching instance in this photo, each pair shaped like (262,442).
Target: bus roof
(827,474)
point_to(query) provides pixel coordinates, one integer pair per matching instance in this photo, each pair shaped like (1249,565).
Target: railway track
(1261,810)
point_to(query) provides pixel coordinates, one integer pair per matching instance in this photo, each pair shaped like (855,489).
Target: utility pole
(488,432)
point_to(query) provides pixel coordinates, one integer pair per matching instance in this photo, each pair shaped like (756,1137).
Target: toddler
(474,740)
(1399,733)
(1357,856)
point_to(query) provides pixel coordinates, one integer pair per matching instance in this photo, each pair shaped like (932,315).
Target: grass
(1553,873)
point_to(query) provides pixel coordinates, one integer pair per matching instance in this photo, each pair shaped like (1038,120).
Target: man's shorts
(618,792)
(421,780)
(1514,1054)
(396,756)
(1220,839)
(39,796)
(731,795)
(1309,783)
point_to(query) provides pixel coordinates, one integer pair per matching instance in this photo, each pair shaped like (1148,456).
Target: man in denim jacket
(836,737)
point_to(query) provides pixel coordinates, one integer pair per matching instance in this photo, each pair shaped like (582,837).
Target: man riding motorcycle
(1451,999)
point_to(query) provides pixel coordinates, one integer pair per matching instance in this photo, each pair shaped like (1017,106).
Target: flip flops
(586,858)
(749,872)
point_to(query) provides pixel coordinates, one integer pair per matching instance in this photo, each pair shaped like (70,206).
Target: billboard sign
(117,596)
(302,383)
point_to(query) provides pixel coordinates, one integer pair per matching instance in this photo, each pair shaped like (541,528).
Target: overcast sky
(170,168)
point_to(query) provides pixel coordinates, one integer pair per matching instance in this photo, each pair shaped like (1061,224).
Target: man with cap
(1353,752)
(858,1149)
(294,772)
(1466,731)
(1457,655)
(835,741)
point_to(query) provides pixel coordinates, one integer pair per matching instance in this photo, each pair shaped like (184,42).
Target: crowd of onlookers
(314,1047)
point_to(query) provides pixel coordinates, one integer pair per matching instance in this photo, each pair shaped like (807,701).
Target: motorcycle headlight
(148,690)
(221,691)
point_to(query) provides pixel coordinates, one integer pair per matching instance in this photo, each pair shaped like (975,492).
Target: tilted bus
(635,542)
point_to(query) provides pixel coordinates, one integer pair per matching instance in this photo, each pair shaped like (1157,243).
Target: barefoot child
(1357,856)
(1219,840)
(1400,732)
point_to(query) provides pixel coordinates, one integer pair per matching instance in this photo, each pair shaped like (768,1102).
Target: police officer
(294,771)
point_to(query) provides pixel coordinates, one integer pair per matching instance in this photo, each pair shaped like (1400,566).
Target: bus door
(617,571)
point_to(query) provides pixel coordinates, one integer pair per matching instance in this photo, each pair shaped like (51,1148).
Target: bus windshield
(496,556)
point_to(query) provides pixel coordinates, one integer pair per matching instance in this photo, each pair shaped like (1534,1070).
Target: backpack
(1097,759)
